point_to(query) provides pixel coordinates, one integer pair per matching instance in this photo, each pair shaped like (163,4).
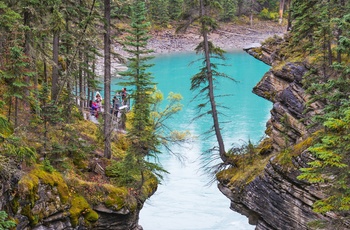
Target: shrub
(267,15)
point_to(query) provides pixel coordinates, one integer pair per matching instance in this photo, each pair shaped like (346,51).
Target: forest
(50,52)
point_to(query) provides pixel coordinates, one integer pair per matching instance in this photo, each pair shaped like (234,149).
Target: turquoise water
(184,200)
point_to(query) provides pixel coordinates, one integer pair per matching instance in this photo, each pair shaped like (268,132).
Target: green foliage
(12,145)
(228,11)
(124,173)
(5,128)
(4,223)
(330,166)
(175,8)
(9,18)
(158,11)
(13,74)
(160,115)
(142,134)
(47,166)
(248,163)
(267,15)
(306,22)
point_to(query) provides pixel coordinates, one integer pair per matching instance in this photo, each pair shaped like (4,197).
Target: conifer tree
(228,10)
(175,8)
(142,137)
(14,71)
(158,11)
(204,80)
(57,25)
(324,24)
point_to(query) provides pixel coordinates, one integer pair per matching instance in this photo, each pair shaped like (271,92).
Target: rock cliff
(271,196)
(41,200)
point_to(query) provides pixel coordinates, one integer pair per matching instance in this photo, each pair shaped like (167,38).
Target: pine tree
(14,71)
(175,9)
(142,137)
(326,32)
(228,11)
(204,80)
(158,11)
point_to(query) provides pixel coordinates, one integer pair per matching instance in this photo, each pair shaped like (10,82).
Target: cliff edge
(268,191)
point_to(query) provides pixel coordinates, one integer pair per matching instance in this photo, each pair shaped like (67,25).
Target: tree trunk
(107,80)
(16,113)
(26,18)
(289,24)
(70,103)
(211,89)
(86,77)
(281,11)
(251,13)
(81,83)
(55,86)
(339,34)
(240,7)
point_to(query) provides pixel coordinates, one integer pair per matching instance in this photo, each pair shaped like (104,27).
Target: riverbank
(230,37)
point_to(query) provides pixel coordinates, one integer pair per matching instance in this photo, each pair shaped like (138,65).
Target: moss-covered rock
(80,207)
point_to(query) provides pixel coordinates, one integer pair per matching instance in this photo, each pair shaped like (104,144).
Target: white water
(184,201)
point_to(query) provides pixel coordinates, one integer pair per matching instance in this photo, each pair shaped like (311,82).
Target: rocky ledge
(41,200)
(271,196)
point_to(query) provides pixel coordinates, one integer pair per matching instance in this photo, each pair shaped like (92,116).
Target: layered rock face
(282,85)
(275,198)
(41,205)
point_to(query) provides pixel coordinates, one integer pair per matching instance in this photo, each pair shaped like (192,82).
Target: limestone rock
(276,199)
(42,208)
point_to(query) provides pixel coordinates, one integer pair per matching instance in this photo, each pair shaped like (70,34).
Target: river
(184,200)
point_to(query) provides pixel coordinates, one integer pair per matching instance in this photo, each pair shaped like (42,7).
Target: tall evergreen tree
(141,134)
(158,11)
(57,25)
(228,11)
(323,24)
(175,8)
(202,12)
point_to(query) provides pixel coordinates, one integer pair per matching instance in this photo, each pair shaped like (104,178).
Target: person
(98,100)
(124,96)
(94,107)
(115,105)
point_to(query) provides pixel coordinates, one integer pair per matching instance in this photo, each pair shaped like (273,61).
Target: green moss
(113,197)
(269,95)
(302,146)
(80,207)
(28,190)
(149,187)
(118,197)
(28,184)
(53,179)
(265,147)
(284,158)
(28,187)
(245,173)
(26,211)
